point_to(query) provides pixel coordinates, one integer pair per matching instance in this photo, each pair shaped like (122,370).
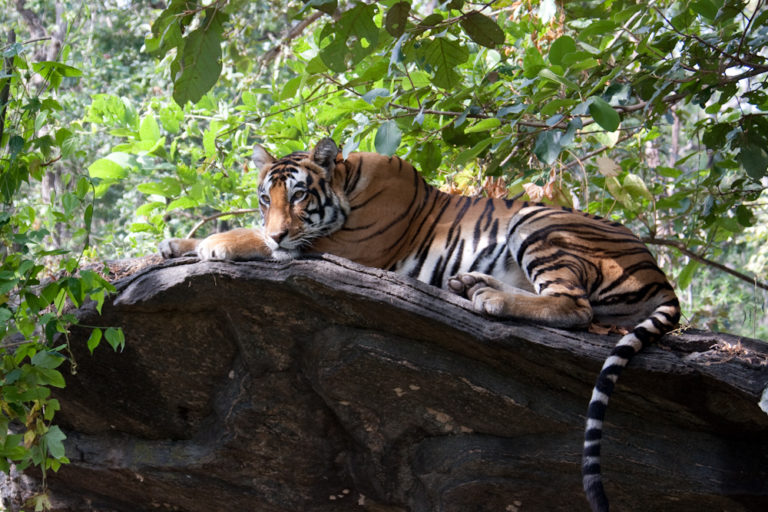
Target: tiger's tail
(662,320)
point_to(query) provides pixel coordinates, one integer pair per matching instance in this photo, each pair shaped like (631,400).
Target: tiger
(512,259)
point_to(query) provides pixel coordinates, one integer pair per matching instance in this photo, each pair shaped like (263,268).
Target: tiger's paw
(177,247)
(483,290)
(215,248)
(468,284)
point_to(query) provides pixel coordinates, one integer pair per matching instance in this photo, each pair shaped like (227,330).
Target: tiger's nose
(278,236)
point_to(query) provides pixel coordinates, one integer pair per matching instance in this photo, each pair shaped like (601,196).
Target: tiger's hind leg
(560,306)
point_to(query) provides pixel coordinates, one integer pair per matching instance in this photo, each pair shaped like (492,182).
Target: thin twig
(216,216)
(289,36)
(680,246)
(598,151)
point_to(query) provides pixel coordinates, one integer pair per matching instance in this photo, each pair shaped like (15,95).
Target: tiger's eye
(298,196)
(264,198)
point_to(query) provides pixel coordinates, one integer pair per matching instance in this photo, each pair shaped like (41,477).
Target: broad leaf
(482,29)
(754,159)
(198,64)
(149,130)
(560,48)
(397,18)
(388,138)
(352,37)
(547,147)
(604,114)
(112,167)
(445,55)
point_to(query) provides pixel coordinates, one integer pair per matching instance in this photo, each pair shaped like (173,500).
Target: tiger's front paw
(483,290)
(177,247)
(215,247)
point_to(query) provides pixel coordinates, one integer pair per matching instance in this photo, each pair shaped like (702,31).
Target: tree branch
(289,36)
(6,92)
(680,246)
(216,216)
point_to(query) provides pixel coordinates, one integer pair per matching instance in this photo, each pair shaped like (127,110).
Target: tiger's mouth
(290,243)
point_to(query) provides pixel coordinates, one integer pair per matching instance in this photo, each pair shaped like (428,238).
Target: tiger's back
(512,259)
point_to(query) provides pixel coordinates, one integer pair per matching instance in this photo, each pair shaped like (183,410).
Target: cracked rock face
(320,385)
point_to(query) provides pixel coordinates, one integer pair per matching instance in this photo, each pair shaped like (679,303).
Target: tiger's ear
(260,157)
(325,153)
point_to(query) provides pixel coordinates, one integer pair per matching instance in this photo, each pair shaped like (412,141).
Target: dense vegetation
(128,122)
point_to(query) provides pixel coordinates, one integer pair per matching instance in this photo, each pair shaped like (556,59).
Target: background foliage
(128,122)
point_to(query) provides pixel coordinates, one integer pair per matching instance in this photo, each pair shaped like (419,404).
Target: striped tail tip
(620,356)
(663,319)
(593,488)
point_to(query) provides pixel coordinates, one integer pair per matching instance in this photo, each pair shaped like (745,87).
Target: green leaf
(715,135)
(635,187)
(533,62)
(706,8)
(397,18)
(112,167)
(168,27)
(45,68)
(149,130)
(604,114)
(445,55)
(388,138)
(429,157)
(473,152)
(115,338)
(94,339)
(745,216)
(754,159)
(482,29)
(326,6)
(686,275)
(54,441)
(561,47)
(167,187)
(47,359)
(198,64)
(618,192)
(547,147)
(555,105)
(551,75)
(352,38)
(598,27)
(182,203)
(50,377)
(484,125)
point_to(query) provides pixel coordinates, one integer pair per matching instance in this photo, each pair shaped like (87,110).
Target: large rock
(320,385)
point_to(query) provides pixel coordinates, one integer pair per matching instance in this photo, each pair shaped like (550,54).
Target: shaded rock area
(319,385)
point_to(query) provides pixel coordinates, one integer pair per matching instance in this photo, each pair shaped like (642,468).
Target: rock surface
(320,385)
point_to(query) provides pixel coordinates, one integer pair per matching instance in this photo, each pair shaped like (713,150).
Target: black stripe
(457,261)
(591,469)
(623,351)
(438,272)
(593,434)
(596,410)
(644,335)
(592,450)
(604,384)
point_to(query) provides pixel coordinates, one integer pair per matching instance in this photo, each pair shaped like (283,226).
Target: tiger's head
(297,199)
